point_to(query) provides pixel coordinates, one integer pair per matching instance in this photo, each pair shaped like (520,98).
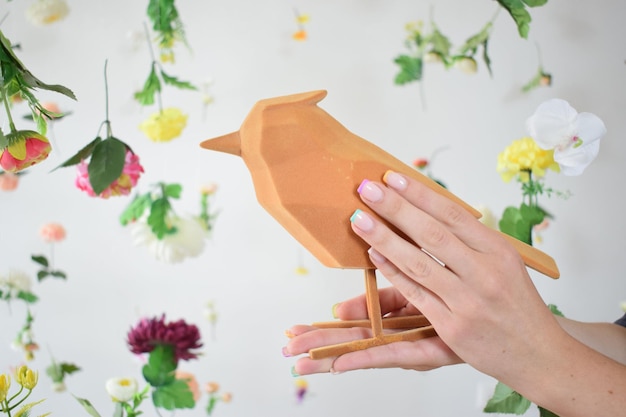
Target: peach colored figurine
(291,146)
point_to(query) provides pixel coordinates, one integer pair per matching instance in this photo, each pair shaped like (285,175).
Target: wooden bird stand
(306,168)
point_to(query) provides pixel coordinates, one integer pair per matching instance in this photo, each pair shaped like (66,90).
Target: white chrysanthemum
(121,389)
(575,137)
(44,12)
(188,241)
(16,281)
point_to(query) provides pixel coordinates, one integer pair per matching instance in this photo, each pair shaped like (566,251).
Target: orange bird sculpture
(306,168)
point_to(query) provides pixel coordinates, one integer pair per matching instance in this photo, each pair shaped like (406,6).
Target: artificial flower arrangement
(27,380)
(167,123)
(162,345)
(105,167)
(20,149)
(562,140)
(168,236)
(434,46)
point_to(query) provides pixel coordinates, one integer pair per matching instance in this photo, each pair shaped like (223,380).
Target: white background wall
(248,266)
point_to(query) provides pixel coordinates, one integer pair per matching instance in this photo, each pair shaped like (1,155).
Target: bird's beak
(230,143)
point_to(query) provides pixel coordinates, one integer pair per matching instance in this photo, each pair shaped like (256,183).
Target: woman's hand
(421,355)
(464,277)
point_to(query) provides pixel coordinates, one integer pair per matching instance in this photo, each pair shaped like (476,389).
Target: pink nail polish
(285,352)
(376,256)
(395,180)
(370,191)
(361,220)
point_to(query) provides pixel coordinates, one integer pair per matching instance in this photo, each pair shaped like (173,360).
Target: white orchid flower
(575,137)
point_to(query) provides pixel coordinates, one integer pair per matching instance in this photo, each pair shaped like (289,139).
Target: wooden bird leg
(418,326)
(373,303)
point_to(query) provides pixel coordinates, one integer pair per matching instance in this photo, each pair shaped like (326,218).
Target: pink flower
(191,381)
(8,181)
(52,232)
(121,186)
(25,148)
(149,333)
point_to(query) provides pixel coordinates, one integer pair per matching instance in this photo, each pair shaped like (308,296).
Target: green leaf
(151,86)
(106,164)
(58,274)
(173,81)
(486,58)
(535,3)
(173,396)
(42,274)
(555,310)
(87,406)
(410,69)
(505,400)
(546,413)
(158,216)
(172,190)
(161,366)
(135,209)
(4,142)
(27,296)
(473,42)
(40,259)
(84,153)
(440,43)
(520,15)
(512,224)
(211,405)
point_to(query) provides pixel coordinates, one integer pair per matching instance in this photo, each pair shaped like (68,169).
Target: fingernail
(335,311)
(334,372)
(395,180)
(285,352)
(370,191)
(362,220)
(293,371)
(376,256)
(289,334)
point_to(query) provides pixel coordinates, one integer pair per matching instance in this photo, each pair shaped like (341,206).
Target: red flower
(149,333)
(25,148)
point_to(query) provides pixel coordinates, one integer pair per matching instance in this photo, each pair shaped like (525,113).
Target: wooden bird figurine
(291,146)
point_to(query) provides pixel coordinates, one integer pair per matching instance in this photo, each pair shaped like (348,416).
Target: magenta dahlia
(149,333)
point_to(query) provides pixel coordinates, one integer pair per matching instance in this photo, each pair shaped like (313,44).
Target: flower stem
(5,100)
(106,101)
(154,64)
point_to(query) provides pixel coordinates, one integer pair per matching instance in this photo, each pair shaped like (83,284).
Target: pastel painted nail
(395,180)
(285,352)
(361,220)
(376,256)
(293,371)
(370,191)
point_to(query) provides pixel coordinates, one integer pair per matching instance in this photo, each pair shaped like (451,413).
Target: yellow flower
(524,156)
(303,18)
(5,384)
(26,377)
(165,125)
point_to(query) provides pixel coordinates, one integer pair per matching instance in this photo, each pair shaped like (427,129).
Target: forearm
(607,338)
(572,380)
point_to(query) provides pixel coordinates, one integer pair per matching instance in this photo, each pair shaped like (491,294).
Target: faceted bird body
(306,168)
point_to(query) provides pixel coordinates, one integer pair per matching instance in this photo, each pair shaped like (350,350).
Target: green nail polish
(293,372)
(335,311)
